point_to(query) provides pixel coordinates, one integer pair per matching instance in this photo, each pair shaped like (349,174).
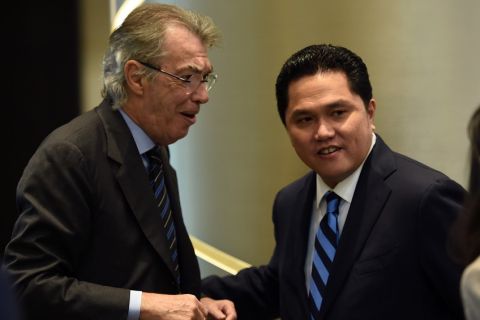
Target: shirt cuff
(134,305)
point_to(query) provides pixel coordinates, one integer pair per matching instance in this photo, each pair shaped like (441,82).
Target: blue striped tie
(157,180)
(326,241)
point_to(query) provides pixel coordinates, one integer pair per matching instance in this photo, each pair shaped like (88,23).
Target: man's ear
(371,108)
(133,77)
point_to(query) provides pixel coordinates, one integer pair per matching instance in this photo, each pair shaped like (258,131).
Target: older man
(100,233)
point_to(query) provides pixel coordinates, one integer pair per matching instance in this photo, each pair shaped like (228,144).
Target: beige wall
(94,32)
(423,62)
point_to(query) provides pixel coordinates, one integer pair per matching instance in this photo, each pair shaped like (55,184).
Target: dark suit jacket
(89,228)
(391,261)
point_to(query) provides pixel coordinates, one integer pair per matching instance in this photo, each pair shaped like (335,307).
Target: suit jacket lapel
(298,237)
(369,198)
(133,180)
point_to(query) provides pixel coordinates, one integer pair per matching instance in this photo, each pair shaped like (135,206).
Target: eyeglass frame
(213,76)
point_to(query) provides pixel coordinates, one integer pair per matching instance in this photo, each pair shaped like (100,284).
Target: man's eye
(338,113)
(187,76)
(304,119)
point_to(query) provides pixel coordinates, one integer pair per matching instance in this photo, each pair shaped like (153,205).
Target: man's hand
(172,307)
(219,309)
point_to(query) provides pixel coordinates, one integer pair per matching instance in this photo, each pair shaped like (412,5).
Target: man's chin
(332,178)
(178,136)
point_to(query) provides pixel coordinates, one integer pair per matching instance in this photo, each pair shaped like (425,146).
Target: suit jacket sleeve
(54,198)
(438,211)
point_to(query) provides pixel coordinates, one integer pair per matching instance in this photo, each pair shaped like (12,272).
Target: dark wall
(41,69)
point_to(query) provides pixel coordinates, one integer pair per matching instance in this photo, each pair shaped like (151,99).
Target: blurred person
(364,234)
(470,282)
(100,233)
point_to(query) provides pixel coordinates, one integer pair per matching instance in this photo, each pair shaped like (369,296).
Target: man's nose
(324,131)
(200,94)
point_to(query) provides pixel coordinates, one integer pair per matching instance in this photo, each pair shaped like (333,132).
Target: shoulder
(81,128)
(411,181)
(407,163)
(300,185)
(418,176)
(402,170)
(400,166)
(296,194)
(74,137)
(86,134)
(72,147)
(87,128)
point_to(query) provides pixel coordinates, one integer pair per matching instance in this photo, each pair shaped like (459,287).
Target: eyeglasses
(192,82)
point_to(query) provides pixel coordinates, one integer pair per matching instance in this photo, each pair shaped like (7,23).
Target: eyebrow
(196,69)
(332,105)
(300,112)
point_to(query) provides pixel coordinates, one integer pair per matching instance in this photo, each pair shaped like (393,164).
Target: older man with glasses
(100,233)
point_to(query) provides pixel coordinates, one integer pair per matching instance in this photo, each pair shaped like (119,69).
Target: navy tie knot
(333,201)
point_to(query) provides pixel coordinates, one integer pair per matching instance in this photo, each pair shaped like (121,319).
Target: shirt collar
(345,188)
(142,140)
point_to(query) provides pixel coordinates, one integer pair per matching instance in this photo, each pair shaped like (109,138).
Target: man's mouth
(190,115)
(329,150)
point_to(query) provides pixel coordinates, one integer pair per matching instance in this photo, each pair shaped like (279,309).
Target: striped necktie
(157,179)
(326,241)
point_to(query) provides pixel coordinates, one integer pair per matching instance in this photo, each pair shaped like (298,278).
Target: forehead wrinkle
(196,68)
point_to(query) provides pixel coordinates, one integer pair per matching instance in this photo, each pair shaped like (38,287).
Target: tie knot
(154,154)
(333,200)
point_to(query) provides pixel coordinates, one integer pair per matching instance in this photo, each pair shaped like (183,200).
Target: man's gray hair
(141,36)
